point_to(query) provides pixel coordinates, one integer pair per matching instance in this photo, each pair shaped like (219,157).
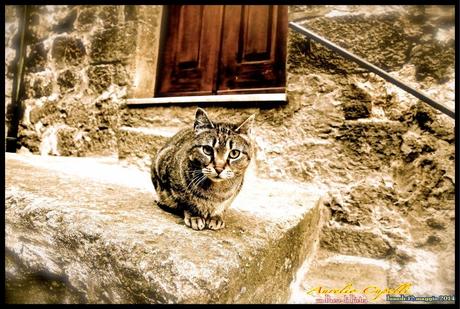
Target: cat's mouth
(216,178)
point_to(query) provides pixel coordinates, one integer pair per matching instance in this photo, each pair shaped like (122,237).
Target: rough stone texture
(102,76)
(374,142)
(355,241)
(112,44)
(356,103)
(146,143)
(68,50)
(420,35)
(113,245)
(77,56)
(42,86)
(67,81)
(393,172)
(36,61)
(373,44)
(148,18)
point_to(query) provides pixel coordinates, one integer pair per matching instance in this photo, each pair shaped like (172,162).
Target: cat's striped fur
(200,170)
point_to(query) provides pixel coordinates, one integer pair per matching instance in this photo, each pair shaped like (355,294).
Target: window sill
(233,98)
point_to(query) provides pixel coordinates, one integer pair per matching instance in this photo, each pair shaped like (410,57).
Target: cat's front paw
(215,223)
(195,222)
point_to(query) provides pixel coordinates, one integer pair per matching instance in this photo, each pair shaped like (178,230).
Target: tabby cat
(200,170)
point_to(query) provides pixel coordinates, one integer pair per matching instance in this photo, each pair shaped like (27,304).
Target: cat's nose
(219,170)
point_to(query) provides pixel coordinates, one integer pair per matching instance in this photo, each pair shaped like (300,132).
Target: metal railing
(374,69)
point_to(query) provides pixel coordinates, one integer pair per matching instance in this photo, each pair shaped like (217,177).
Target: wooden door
(217,49)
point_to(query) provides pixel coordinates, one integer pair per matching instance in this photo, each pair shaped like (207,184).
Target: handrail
(372,68)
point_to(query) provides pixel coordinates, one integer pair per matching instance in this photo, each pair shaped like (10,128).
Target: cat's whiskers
(193,171)
(197,181)
(200,180)
(194,179)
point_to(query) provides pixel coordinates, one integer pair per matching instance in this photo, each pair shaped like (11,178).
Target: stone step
(136,145)
(336,278)
(86,230)
(354,240)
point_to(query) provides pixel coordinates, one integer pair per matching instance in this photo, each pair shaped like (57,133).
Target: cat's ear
(245,126)
(202,120)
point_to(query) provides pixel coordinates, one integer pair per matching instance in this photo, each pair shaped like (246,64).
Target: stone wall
(80,63)
(389,162)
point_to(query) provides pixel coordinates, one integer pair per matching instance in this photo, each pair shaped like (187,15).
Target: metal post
(18,87)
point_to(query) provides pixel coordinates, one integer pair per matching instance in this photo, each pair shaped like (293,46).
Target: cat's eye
(234,154)
(207,150)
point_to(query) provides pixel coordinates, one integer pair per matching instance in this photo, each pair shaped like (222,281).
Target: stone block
(120,76)
(37,58)
(68,50)
(85,140)
(110,15)
(356,109)
(355,241)
(113,44)
(47,113)
(29,139)
(38,25)
(43,86)
(433,59)
(66,142)
(100,77)
(356,103)
(107,114)
(430,120)
(67,80)
(114,245)
(372,142)
(66,24)
(87,16)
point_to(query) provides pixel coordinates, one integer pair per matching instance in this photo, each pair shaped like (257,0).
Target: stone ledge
(91,226)
(138,144)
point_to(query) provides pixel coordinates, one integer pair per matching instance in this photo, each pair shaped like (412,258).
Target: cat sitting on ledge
(200,170)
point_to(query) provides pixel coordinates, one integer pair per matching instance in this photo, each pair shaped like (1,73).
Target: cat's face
(220,151)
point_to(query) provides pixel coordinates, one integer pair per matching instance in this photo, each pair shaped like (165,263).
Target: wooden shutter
(190,50)
(216,49)
(253,49)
